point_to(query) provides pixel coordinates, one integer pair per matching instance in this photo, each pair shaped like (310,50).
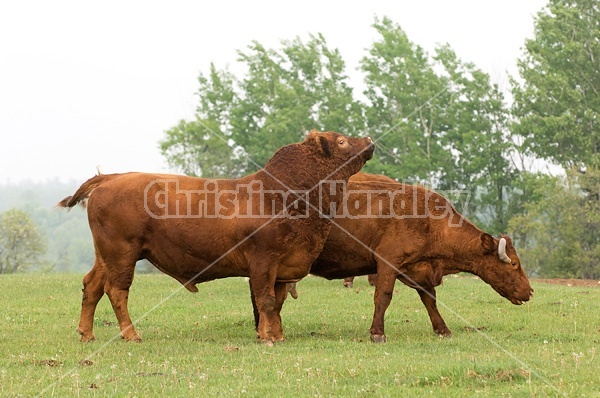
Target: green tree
(288,92)
(556,109)
(404,112)
(557,100)
(199,148)
(476,116)
(241,122)
(589,256)
(21,242)
(203,147)
(439,121)
(559,229)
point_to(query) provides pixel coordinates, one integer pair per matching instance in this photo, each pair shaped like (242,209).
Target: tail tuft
(84,191)
(64,202)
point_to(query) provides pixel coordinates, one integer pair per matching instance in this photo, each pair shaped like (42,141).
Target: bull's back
(374,178)
(170,207)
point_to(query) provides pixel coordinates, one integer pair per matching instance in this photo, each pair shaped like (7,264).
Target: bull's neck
(459,246)
(318,198)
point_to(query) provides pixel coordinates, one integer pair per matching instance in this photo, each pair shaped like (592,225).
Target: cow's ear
(324,144)
(487,243)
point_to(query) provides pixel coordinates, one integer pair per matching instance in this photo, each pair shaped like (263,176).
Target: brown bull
(266,226)
(415,235)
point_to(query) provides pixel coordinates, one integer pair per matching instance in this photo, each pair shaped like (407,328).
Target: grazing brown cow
(265,226)
(413,234)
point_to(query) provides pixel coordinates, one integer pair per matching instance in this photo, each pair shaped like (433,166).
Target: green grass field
(204,344)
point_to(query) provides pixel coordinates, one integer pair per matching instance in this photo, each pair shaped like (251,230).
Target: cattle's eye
(514,263)
(341,141)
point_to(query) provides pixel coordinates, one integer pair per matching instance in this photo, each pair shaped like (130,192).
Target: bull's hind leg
(93,290)
(119,260)
(118,282)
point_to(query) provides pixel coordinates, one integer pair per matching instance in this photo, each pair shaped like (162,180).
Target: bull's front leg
(281,291)
(265,304)
(372,279)
(428,298)
(280,297)
(254,307)
(384,289)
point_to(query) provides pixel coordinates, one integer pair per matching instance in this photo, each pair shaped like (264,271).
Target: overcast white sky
(86,84)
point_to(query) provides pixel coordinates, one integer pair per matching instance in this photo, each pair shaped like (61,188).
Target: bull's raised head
(348,154)
(500,267)
(321,156)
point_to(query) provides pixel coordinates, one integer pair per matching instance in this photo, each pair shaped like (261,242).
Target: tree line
(437,120)
(36,237)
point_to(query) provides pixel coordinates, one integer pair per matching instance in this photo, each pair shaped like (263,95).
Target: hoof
(85,337)
(348,284)
(378,338)
(131,337)
(135,338)
(272,340)
(268,342)
(444,334)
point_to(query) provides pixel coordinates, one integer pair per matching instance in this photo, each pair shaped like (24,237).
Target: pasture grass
(204,344)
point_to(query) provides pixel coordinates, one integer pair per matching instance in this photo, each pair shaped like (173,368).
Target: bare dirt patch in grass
(571,282)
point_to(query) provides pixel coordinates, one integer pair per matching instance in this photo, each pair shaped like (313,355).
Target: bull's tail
(86,189)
